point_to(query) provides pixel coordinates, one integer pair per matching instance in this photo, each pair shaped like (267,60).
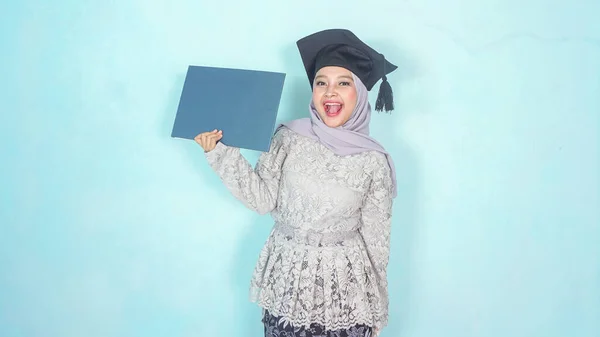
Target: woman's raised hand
(208,140)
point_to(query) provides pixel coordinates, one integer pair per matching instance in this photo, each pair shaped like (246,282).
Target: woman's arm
(376,229)
(257,188)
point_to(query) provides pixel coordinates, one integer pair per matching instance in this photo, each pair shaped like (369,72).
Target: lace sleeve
(257,188)
(376,229)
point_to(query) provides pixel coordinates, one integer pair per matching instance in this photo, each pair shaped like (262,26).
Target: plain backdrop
(110,228)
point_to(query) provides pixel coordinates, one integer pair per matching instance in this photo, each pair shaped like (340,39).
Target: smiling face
(334,95)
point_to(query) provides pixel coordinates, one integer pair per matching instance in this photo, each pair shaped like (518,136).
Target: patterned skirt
(279,327)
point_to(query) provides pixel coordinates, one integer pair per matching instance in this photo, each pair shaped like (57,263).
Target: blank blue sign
(243,103)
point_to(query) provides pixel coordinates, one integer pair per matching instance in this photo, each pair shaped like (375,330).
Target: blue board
(243,103)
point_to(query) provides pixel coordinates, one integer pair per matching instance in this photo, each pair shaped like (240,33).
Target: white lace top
(325,260)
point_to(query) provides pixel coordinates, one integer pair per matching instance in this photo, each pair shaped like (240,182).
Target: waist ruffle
(326,278)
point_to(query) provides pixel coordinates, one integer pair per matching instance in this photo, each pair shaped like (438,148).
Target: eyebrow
(343,76)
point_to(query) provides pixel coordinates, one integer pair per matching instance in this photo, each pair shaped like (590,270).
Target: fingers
(212,140)
(208,140)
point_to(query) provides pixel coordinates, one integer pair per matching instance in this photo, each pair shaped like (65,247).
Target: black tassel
(385,97)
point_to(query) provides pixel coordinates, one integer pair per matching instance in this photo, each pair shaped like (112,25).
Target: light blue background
(109,227)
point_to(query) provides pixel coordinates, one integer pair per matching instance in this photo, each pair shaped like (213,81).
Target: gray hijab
(350,138)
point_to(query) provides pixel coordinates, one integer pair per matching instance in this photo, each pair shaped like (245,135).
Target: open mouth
(333,109)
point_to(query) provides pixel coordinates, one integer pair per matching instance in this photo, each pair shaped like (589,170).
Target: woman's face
(334,95)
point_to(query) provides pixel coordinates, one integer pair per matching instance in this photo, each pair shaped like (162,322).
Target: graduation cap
(241,102)
(340,47)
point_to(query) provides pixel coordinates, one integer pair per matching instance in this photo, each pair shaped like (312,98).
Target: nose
(330,92)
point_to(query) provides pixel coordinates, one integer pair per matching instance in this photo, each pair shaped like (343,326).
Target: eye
(344,83)
(320,83)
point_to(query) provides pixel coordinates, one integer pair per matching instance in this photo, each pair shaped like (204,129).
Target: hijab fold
(352,137)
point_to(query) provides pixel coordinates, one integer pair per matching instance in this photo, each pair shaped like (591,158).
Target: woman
(329,188)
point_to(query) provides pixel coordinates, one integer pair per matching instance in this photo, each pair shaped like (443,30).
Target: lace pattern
(281,327)
(325,261)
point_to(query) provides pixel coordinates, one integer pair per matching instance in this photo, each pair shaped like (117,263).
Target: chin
(333,122)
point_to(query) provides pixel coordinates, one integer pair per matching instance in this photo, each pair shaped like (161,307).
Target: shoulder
(282,138)
(378,157)
(283,133)
(380,172)
(285,136)
(376,161)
